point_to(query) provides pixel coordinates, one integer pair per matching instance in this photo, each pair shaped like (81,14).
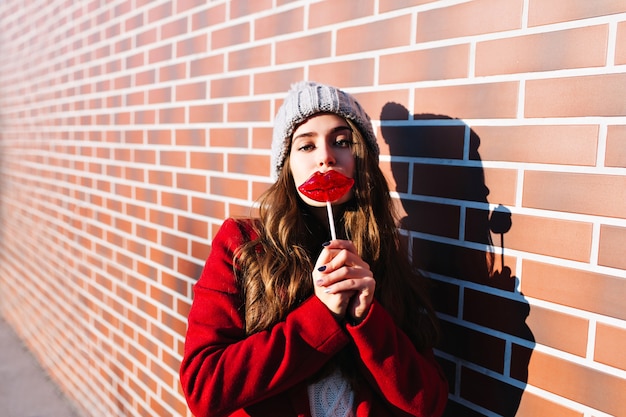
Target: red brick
(449,181)
(558,330)
(344,73)
(553,237)
(200,251)
(612,244)
(237,210)
(249,164)
(191,182)
(229,36)
(192,226)
(146,37)
(473,346)
(616,147)
(589,291)
(541,12)
(160,95)
(475,101)
(208,207)
(497,313)
(228,187)
(145,194)
(207,161)
(328,13)
(367,37)
(134,22)
(373,102)
(145,117)
(161,217)
(189,4)
(254,57)
(147,233)
(601,195)
(244,8)
(173,158)
(422,215)
(207,65)
(277,81)
(578,383)
(136,210)
(489,393)
(543,52)
(228,137)
(160,178)
(175,28)
(389,5)
(206,113)
(173,242)
(135,99)
(190,137)
(160,137)
(159,12)
(174,115)
(193,91)
(304,48)
(174,200)
(620,47)
(160,257)
(190,46)
(258,188)
(471,18)
(278,24)
(230,87)
(502,185)
(594,95)
(207,18)
(609,346)
(172,72)
(427,64)
(145,77)
(532,405)
(251,111)
(549,144)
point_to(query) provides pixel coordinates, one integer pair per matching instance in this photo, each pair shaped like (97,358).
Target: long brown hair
(275,269)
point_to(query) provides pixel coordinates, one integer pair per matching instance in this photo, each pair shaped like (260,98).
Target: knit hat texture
(306,99)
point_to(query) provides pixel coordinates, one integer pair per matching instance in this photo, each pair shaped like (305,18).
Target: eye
(305,147)
(343,142)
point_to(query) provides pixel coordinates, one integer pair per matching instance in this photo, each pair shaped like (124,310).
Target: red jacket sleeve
(222,369)
(411,382)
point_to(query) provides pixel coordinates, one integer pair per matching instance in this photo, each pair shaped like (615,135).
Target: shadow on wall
(486,344)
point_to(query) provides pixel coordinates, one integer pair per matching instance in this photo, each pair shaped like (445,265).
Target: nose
(326,156)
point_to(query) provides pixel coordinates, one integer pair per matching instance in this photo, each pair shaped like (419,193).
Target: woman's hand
(343,281)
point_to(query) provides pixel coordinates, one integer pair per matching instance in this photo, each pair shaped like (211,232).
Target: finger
(339,244)
(346,279)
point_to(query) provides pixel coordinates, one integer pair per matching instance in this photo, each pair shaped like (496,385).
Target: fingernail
(322,268)
(325,244)
(319,282)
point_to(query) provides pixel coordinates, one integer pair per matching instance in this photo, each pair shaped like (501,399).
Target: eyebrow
(334,130)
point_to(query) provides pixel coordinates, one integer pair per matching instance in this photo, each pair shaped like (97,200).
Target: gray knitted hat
(305,99)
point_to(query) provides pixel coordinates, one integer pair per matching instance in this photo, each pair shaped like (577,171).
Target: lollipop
(327,187)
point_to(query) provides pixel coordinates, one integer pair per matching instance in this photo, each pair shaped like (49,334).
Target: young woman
(285,321)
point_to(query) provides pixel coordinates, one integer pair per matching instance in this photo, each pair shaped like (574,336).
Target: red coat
(225,373)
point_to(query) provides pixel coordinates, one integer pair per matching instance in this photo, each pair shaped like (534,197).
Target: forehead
(320,122)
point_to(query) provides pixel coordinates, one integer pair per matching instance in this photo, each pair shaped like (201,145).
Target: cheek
(350,165)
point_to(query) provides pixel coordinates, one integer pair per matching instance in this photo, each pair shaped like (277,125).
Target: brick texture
(131,129)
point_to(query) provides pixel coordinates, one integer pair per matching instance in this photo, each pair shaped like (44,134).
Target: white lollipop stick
(331,221)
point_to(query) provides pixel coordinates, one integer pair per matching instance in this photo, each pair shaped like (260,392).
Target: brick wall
(131,129)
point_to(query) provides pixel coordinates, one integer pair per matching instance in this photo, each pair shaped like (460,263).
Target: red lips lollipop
(327,187)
